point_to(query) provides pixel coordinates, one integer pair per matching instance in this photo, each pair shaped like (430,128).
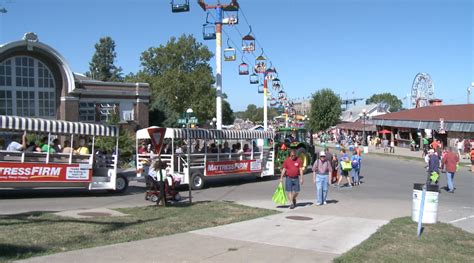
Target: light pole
(213,122)
(469,90)
(189,113)
(364,116)
(219,8)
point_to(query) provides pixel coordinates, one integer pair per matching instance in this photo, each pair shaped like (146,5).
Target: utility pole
(265,101)
(469,90)
(219,9)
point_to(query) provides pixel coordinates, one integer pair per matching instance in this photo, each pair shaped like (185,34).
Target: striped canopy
(218,134)
(14,123)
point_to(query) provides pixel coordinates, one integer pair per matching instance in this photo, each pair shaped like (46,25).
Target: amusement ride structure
(260,70)
(422,90)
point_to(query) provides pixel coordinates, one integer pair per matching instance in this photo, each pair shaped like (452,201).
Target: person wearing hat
(321,170)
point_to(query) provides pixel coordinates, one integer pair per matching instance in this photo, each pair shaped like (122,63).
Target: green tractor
(298,139)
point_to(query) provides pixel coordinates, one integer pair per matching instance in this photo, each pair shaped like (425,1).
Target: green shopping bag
(346,165)
(279,197)
(458,167)
(434,177)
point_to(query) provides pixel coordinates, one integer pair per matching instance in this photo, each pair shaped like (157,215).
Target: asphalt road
(385,193)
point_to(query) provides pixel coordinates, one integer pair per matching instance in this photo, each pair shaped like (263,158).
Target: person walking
(321,170)
(344,158)
(433,165)
(293,169)
(385,145)
(355,162)
(392,146)
(426,146)
(450,162)
(472,160)
(460,146)
(334,165)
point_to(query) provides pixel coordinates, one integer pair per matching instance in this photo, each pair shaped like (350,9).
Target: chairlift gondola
(179,6)
(273,102)
(248,42)
(271,73)
(276,84)
(208,30)
(282,95)
(229,53)
(231,15)
(243,68)
(260,89)
(253,78)
(260,64)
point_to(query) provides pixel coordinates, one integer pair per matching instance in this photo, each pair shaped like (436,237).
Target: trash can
(430,210)
(366,149)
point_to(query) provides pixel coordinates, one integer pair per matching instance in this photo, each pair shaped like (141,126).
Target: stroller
(168,186)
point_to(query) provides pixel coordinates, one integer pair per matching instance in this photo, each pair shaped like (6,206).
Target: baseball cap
(322,153)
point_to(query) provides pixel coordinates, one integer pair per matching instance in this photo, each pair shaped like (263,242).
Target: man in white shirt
(16,146)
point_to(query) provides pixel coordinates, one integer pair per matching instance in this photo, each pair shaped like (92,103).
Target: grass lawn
(34,234)
(397,241)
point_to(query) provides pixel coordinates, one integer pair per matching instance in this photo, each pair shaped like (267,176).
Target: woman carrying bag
(345,167)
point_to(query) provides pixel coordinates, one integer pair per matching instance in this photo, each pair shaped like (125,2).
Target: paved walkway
(305,234)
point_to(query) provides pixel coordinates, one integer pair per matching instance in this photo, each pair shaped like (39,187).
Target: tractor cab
(287,139)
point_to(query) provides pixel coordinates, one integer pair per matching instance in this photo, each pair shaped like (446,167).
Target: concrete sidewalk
(304,234)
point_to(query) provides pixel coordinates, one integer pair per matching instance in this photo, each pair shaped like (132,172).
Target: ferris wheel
(422,90)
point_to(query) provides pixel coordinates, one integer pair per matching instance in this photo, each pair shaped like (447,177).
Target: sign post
(188,121)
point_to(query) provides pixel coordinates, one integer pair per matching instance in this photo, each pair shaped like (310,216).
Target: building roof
(357,126)
(352,113)
(448,117)
(450,113)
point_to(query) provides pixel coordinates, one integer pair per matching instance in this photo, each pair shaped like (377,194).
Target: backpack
(355,162)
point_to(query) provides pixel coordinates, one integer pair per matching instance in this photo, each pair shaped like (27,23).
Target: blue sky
(355,47)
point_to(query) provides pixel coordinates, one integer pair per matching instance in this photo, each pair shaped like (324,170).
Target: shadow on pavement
(73,192)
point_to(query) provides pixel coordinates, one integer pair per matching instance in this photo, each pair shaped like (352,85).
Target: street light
(189,113)
(213,122)
(363,115)
(469,90)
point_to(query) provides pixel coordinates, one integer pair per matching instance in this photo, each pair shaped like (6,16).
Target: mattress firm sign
(30,172)
(233,167)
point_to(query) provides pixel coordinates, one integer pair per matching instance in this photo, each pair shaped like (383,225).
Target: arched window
(27,88)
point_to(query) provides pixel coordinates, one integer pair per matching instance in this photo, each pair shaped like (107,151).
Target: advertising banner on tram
(233,167)
(31,172)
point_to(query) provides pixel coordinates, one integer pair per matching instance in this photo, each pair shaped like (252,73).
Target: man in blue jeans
(321,170)
(293,169)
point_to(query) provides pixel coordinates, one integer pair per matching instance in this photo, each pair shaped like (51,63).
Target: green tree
(255,114)
(228,116)
(126,142)
(394,103)
(180,77)
(102,66)
(325,110)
